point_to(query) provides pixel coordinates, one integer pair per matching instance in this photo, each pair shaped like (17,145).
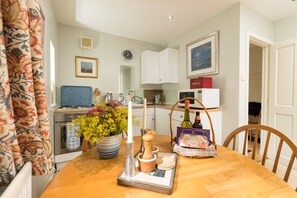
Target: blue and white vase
(108,147)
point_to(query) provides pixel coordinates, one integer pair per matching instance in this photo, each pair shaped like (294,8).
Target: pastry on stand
(165,163)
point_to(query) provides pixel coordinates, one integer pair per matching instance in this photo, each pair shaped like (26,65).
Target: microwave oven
(210,98)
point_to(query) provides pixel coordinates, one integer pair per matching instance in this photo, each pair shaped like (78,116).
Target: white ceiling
(146,19)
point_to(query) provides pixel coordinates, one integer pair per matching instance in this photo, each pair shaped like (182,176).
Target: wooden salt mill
(147,141)
(153,133)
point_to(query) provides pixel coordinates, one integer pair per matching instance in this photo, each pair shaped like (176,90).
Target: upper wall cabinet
(159,67)
(150,67)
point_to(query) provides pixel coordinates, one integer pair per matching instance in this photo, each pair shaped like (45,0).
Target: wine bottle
(197,124)
(186,123)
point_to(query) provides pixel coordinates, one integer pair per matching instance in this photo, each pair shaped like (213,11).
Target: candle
(130,133)
(144,115)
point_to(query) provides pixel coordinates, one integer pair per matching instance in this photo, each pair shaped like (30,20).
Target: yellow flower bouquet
(104,120)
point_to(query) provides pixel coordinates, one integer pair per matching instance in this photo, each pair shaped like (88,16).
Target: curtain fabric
(24,124)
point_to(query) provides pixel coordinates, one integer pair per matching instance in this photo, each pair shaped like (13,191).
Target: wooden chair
(268,132)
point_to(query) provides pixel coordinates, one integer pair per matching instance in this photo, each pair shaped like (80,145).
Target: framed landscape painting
(86,67)
(202,56)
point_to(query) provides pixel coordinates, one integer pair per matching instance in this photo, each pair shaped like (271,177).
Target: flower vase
(108,147)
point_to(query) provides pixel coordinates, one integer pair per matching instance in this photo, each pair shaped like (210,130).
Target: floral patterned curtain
(24,124)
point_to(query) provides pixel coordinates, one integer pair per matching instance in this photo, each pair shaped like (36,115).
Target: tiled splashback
(150,95)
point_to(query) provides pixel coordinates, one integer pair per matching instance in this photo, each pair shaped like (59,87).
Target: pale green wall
(233,25)
(254,23)
(286,28)
(227,23)
(107,48)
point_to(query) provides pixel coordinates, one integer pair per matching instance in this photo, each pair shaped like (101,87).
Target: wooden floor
(269,164)
(250,149)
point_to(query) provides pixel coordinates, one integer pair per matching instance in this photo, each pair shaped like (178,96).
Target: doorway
(255,84)
(255,73)
(258,64)
(255,92)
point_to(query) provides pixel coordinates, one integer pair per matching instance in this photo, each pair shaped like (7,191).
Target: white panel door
(282,107)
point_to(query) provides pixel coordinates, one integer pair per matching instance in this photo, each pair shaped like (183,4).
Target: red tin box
(201,82)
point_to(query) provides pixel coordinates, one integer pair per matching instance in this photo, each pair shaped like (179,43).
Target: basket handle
(191,98)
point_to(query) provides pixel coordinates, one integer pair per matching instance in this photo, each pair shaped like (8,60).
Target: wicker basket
(195,152)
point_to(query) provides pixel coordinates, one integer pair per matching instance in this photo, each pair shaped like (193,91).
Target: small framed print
(86,43)
(86,67)
(202,56)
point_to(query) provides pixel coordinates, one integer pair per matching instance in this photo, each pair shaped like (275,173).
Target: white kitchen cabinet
(177,118)
(168,62)
(216,118)
(159,67)
(150,120)
(162,121)
(150,67)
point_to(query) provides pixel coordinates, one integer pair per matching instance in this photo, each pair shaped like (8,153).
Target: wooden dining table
(228,174)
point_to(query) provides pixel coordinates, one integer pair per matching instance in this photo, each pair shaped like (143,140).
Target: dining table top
(227,174)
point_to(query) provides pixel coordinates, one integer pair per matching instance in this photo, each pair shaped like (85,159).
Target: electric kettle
(108,97)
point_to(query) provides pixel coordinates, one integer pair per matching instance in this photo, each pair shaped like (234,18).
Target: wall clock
(127,55)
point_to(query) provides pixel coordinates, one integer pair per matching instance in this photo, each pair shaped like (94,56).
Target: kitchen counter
(161,106)
(169,106)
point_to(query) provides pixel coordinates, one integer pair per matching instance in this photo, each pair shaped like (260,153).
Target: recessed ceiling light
(169,17)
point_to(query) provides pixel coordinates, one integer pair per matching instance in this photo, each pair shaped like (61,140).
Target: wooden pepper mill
(147,141)
(153,133)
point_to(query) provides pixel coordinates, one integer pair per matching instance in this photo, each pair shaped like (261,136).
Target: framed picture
(86,67)
(86,43)
(202,56)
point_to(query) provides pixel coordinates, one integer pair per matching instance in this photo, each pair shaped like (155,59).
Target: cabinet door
(168,63)
(150,67)
(137,129)
(150,120)
(138,113)
(162,121)
(175,124)
(216,118)
(177,118)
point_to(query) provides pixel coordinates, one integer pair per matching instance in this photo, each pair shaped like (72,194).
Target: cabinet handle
(181,116)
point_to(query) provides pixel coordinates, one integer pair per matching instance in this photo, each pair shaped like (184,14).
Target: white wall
(250,22)
(227,23)
(286,28)
(107,48)
(233,25)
